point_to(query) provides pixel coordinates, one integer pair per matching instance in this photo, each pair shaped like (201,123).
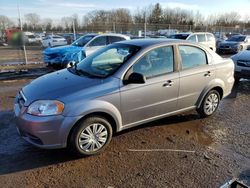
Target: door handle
(169,83)
(208,74)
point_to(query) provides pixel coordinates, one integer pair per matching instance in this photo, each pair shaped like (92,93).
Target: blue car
(78,50)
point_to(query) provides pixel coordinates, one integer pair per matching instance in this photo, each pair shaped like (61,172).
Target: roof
(151,42)
(108,34)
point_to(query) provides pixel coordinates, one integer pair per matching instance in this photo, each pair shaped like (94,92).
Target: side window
(156,62)
(248,39)
(192,57)
(113,39)
(201,38)
(99,41)
(192,38)
(210,37)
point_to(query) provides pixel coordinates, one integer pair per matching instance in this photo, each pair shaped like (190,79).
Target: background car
(234,44)
(70,37)
(242,64)
(120,86)
(53,40)
(84,46)
(204,38)
(29,38)
(220,37)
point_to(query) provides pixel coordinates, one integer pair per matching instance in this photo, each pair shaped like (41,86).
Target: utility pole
(21,27)
(74,30)
(145,25)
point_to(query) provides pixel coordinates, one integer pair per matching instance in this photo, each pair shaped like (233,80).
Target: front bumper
(242,71)
(48,132)
(228,50)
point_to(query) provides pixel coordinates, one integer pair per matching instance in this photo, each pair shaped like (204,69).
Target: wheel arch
(218,88)
(102,114)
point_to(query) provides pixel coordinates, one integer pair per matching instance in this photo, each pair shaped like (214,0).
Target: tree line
(122,19)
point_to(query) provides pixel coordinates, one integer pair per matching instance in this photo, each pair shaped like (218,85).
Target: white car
(205,38)
(53,40)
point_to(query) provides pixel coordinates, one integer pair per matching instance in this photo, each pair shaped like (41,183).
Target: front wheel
(209,104)
(91,136)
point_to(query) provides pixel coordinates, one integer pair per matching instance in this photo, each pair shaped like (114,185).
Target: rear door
(158,95)
(195,74)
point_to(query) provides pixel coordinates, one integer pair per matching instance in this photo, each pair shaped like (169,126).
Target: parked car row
(87,44)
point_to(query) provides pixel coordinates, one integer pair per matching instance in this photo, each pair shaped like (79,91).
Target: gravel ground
(219,151)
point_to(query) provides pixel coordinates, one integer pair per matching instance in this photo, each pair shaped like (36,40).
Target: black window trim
(175,67)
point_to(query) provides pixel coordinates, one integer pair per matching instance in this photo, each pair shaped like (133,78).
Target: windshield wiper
(81,72)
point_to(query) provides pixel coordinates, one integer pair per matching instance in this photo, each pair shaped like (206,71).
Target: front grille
(243,63)
(21,99)
(52,56)
(225,46)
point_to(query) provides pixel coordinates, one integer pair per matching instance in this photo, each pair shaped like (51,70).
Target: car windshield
(83,40)
(237,39)
(31,36)
(179,36)
(57,37)
(106,61)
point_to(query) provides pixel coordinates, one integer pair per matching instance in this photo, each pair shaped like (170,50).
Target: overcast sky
(56,9)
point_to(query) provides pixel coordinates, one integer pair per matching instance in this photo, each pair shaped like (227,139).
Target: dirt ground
(10,54)
(219,150)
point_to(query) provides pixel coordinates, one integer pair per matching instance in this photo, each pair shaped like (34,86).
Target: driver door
(158,96)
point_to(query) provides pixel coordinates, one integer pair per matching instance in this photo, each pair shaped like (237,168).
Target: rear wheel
(91,136)
(209,104)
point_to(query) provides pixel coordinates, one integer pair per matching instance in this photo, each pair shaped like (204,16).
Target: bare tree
(5,22)
(47,24)
(33,20)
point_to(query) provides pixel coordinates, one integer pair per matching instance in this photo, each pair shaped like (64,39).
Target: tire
(209,104)
(85,139)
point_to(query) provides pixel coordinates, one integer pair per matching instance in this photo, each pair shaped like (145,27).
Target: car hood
(244,55)
(58,85)
(62,49)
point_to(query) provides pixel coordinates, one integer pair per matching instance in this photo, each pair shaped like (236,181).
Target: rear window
(179,36)
(113,39)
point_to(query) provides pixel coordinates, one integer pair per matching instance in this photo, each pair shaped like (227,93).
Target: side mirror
(135,78)
(71,64)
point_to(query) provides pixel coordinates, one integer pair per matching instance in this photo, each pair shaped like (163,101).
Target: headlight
(46,108)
